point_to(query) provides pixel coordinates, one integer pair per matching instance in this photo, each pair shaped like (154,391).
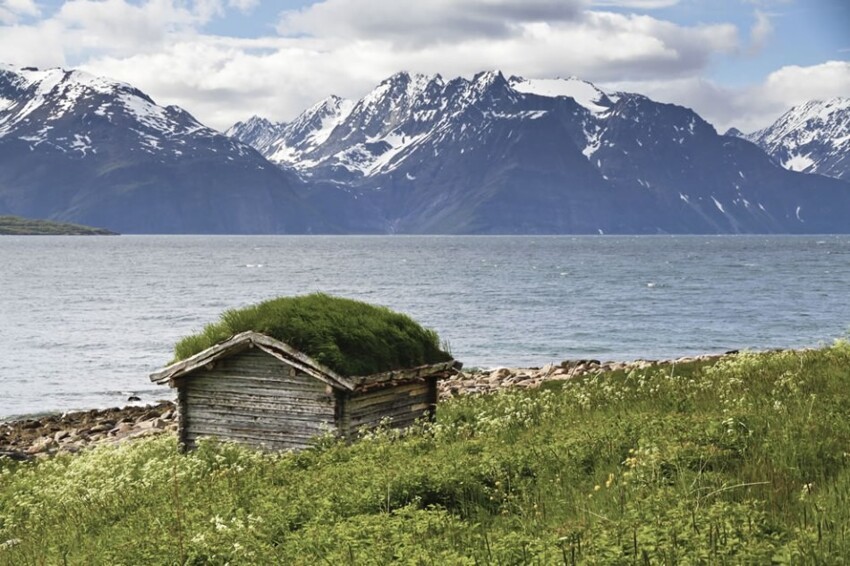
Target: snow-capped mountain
(491,154)
(88,149)
(418,154)
(363,137)
(813,138)
(256,132)
(59,110)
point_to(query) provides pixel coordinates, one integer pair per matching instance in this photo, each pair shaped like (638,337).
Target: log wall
(402,404)
(256,399)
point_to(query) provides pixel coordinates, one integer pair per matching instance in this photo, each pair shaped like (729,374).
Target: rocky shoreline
(474,382)
(70,432)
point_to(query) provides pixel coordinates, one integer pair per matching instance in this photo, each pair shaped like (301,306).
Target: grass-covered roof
(350,337)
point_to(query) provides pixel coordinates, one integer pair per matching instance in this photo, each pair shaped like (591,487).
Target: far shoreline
(19,226)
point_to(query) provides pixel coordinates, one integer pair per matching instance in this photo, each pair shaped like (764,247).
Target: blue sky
(737,62)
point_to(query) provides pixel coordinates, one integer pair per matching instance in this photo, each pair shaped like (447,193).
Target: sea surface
(84,320)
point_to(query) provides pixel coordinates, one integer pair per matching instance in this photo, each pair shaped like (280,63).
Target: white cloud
(797,83)
(766,3)
(243,5)
(11,11)
(544,38)
(350,45)
(760,32)
(635,4)
(43,44)
(752,107)
(116,26)
(224,81)
(414,22)
(346,47)
(82,30)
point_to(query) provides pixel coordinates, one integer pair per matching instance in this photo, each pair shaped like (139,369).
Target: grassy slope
(350,337)
(742,462)
(15,225)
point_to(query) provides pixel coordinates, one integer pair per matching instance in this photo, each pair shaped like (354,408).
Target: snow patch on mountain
(398,145)
(82,144)
(583,92)
(798,163)
(330,121)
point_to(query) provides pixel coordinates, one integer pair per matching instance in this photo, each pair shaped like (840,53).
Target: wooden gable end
(254,398)
(399,405)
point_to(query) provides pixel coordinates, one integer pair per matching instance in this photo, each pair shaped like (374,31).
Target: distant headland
(17,226)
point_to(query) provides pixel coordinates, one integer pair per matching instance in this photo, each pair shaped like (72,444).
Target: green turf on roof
(350,337)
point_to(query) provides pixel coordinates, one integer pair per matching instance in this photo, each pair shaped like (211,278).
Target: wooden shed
(257,390)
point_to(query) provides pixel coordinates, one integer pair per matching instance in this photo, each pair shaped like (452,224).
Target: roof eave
(365,382)
(242,341)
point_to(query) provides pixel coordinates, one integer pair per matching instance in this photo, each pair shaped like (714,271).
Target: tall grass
(746,461)
(348,336)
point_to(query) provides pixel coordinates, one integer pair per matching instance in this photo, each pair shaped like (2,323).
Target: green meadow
(742,461)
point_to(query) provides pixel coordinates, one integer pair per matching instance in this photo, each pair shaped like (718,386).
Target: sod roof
(350,337)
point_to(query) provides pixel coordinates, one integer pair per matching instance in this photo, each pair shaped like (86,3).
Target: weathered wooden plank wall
(256,399)
(402,404)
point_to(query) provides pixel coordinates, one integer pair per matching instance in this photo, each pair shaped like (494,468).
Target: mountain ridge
(631,164)
(417,154)
(94,151)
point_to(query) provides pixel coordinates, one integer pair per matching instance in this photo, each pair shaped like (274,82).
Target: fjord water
(83,321)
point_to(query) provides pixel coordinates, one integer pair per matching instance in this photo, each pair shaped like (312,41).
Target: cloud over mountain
(181,53)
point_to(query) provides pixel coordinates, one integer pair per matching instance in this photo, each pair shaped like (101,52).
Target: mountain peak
(399,77)
(488,78)
(256,131)
(74,81)
(401,84)
(256,121)
(333,107)
(813,137)
(42,99)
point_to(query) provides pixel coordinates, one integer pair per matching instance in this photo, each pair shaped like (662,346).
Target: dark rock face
(84,149)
